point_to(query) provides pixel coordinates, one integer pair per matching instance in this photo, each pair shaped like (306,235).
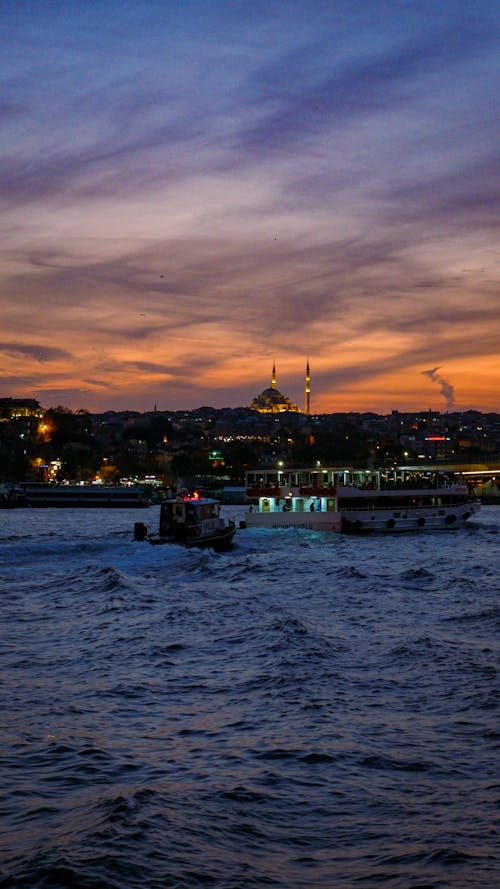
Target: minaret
(273,381)
(308,390)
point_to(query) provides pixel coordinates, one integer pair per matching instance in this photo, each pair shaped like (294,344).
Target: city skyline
(193,191)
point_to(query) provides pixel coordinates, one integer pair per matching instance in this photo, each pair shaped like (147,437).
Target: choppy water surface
(307,710)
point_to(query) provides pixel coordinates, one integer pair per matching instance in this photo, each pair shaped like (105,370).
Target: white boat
(357,500)
(191,521)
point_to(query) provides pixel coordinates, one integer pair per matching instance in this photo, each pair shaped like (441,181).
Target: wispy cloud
(37,351)
(183,197)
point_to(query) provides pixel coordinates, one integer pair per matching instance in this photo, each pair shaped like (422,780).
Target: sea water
(307,710)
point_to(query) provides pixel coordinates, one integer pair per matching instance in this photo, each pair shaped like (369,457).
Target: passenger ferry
(41,494)
(357,500)
(191,521)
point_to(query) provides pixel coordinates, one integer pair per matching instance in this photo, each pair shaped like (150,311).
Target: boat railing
(364,507)
(417,485)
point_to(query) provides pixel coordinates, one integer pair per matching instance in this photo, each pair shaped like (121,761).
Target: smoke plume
(447,390)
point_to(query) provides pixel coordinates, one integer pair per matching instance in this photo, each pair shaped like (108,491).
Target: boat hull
(314,521)
(363,520)
(220,541)
(390,521)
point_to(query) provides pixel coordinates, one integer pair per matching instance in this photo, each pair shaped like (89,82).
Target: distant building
(23,414)
(272,401)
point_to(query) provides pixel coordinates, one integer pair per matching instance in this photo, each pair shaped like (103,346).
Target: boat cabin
(188,517)
(332,488)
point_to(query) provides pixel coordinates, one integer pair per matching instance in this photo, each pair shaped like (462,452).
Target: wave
(488,616)
(419,574)
(387,763)
(349,571)
(301,711)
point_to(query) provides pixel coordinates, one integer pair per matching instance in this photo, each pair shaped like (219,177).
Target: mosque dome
(272,401)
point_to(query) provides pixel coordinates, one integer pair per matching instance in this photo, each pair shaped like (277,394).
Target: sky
(190,191)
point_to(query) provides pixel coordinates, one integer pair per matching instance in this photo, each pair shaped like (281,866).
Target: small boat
(191,521)
(351,500)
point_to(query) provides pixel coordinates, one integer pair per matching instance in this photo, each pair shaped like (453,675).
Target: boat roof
(192,499)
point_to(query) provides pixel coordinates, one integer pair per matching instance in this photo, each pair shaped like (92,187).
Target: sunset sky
(192,190)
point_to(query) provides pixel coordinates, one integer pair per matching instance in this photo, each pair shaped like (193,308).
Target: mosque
(272,401)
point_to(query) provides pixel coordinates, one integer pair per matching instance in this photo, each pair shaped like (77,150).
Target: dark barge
(46,495)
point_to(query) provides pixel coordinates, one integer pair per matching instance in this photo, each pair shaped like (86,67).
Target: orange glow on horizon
(234,382)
